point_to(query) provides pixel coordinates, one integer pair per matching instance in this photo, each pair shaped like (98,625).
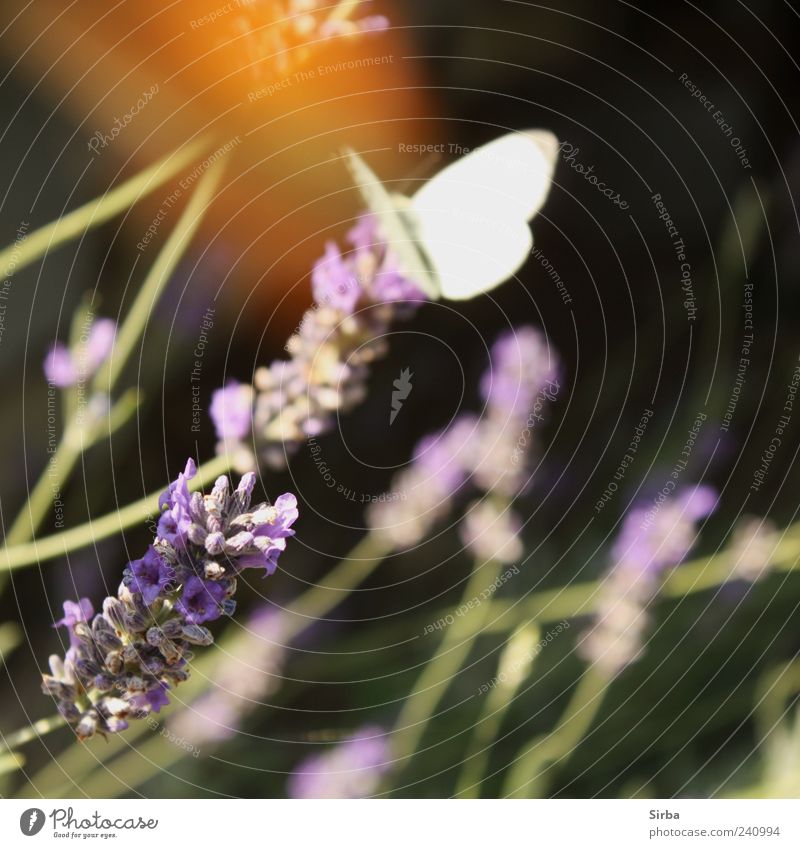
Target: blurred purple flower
(653,538)
(491,531)
(357,297)
(660,535)
(487,454)
(64,367)
(353,769)
(231,410)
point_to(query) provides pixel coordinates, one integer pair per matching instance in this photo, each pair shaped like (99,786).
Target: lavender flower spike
(64,367)
(357,296)
(231,411)
(122,662)
(486,453)
(353,769)
(653,539)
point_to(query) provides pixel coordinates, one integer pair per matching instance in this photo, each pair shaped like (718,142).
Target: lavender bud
(197,534)
(114,662)
(104,636)
(62,691)
(213,570)
(56,666)
(86,668)
(170,651)
(87,726)
(132,653)
(215,543)
(115,725)
(154,664)
(220,491)
(68,709)
(114,611)
(135,684)
(236,544)
(103,682)
(197,635)
(82,630)
(135,621)
(197,509)
(115,707)
(172,627)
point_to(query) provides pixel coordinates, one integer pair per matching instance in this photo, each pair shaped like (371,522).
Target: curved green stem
(39,728)
(514,666)
(319,600)
(47,238)
(60,544)
(698,575)
(78,436)
(157,277)
(529,776)
(10,638)
(437,674)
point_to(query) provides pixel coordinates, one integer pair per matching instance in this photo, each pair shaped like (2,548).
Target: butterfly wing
(396,227)
(472,217)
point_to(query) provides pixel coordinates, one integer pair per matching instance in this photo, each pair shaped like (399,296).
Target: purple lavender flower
(353,769)
(59,368)
(175,520)
(357,296)
(75,612)
(653,538)
(427,487)
(486,454)
(151,700)
(151,574)
(660,535)
(491,531)
(64,367)
(201,600)
(122,663)
(333,282)
(231,410)
(521,366)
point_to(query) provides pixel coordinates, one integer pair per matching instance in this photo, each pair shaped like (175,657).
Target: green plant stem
(77,438)
(157,277)
(17,256)
(698,575)
(60,544)
(512,670)
(10,638)
(453,650)
(319,600)
(528,778)
(75,441)
(39,728)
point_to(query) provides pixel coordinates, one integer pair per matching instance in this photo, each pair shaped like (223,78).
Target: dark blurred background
(606,78)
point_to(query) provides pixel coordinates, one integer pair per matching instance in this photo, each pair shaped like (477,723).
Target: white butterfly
(466,230)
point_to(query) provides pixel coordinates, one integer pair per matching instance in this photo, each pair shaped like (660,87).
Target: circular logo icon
(31,821)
